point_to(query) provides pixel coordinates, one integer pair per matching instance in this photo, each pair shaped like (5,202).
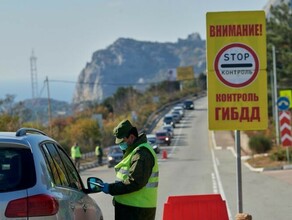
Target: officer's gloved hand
(105,188)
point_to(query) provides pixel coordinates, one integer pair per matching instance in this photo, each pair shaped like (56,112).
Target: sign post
(283,104)
(236,68)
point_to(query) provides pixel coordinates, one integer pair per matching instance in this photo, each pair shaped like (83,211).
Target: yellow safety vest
(97,150)
(145,197)
(75,152)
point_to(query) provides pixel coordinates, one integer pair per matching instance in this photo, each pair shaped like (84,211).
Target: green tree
(279,32)
(9,123)
(85,131)
(202,81)
(6,104)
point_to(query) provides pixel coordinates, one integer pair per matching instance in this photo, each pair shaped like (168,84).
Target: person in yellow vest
(135,189)
(76,155)
(99,154)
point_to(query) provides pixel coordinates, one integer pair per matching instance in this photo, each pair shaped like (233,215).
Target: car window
(17,169)
(167,119)
(55,166)
(152,139)
(61,168)
(160,134)
(72,173)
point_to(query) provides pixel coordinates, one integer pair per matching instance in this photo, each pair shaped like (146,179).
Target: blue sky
(65,33)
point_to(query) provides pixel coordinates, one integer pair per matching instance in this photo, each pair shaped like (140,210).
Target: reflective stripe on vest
(145,197)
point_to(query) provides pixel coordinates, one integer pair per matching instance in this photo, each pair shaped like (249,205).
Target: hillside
(130,62)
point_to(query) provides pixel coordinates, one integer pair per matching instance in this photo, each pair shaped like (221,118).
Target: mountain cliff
(128,62)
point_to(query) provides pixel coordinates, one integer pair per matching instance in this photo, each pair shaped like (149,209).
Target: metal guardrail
(151,122)
(158,114)
(88,155)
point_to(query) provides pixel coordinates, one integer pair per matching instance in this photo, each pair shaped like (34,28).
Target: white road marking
(217,175)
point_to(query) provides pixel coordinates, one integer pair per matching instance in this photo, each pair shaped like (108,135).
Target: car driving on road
(38,180)
(152,139)
(115,155)
(189,105)
(168,128)
(163,137)
(169,120)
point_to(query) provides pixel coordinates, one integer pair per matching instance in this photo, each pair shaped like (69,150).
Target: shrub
(260,144)
(280,154)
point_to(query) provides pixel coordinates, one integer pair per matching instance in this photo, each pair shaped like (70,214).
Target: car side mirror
(94,184)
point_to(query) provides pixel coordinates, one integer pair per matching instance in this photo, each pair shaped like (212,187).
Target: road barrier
(190,207)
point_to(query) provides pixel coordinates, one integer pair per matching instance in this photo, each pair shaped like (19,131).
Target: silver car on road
(39,181)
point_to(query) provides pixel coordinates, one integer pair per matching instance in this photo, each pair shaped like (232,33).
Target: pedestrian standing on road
(76,155)
(99,154)
(135,192)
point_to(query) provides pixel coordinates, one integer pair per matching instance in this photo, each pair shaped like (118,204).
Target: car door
(68,185)
(66,193)
(87,207)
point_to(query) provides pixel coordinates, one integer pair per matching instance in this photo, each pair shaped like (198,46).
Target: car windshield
(115,150)
(16,169)
(167,119)
(152,140)
(160,134)
(189,102)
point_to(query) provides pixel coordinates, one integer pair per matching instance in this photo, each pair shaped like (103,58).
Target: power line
(104,83)
(111,84)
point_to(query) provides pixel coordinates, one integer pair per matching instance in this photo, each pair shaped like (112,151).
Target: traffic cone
(164,154)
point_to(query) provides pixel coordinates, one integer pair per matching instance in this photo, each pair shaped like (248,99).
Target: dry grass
(264,162)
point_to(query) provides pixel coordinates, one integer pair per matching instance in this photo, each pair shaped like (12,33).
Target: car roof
(7,134)
(161,131)
(150,136)
(27,137)
(115,146)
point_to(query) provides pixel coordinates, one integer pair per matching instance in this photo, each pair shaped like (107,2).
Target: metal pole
(49,106)
(288,156)
(239,175)
(276,97)
(273,96)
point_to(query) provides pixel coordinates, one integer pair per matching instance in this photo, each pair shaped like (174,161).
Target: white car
(39,181)
(152,139)
(180,109)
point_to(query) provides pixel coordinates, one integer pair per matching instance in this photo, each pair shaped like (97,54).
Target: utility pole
(276,96)
(49,106)
(33,73)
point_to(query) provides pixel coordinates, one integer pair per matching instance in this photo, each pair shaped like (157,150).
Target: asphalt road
(193,167)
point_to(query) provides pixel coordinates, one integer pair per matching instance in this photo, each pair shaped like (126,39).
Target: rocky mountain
(128,62)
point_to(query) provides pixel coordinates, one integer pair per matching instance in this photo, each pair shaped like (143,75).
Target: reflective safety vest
(145,197)
(97,152)
(75,152)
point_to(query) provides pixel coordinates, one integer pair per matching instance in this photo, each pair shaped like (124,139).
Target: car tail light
(38,205)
